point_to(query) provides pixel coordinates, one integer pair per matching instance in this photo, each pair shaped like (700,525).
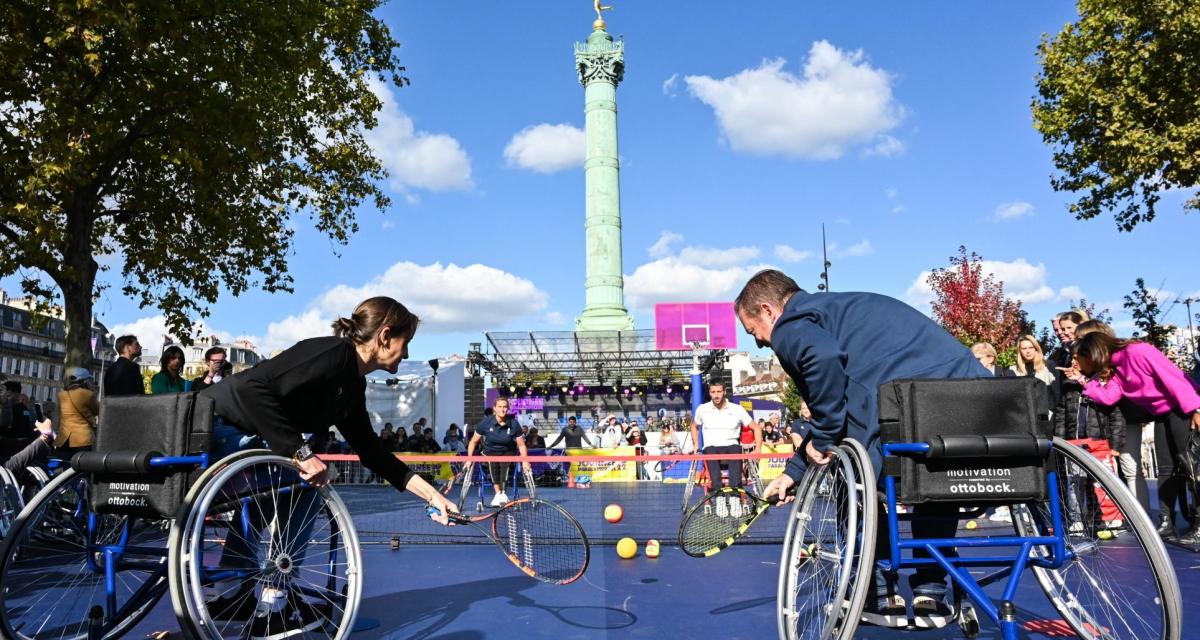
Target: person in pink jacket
(1113,370)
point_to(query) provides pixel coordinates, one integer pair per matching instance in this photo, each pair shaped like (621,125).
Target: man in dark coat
(839,348)
(123,377)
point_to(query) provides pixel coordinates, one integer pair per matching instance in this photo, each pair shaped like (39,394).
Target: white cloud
(899,209)
(555,318)
(718,258)
(858,250)
(840,101)
(891,192)
(1071,292)
(447,298)
(416,159)
(662,246)
(885,147)
(670,86)
(151,330)
(388,224)
(788,254)
(673,279)
(547,148)
(694,274)
(1022,281)
(292,329)
(1013,210)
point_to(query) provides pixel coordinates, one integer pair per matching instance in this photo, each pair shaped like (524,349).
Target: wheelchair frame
(1011,566)
(107,558)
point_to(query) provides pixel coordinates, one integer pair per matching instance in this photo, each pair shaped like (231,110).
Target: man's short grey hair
(767,286)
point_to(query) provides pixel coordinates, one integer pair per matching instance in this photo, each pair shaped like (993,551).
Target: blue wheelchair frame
(1013,565)
(115,554)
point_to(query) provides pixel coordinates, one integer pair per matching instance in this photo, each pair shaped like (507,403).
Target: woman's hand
(1073,374)
(313,472)
(443,506)
(1196,420)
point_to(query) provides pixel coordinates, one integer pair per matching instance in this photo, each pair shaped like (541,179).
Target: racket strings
(717,519)
(543,540)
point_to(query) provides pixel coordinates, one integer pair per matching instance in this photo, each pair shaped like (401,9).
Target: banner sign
(604,470)
(530,403)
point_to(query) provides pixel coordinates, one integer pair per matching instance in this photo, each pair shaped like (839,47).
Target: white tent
(411,397)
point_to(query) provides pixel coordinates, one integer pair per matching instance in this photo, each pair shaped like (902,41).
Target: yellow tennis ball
(1104,534)
(652,548)
(626,548)
(971,524)
(613,513)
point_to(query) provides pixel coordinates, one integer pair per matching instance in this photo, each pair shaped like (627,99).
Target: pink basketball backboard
(679,325)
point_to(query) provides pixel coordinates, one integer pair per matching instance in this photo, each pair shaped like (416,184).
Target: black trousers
(714,466)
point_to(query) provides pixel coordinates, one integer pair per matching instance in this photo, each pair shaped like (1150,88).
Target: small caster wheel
(968,621)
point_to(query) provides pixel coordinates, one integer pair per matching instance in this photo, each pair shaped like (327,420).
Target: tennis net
(649,489)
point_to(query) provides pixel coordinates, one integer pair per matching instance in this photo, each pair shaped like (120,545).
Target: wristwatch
(303,453)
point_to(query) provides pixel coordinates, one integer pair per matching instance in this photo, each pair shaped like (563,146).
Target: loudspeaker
(473,400)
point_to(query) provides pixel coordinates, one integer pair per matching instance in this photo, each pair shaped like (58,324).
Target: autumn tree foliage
(971,304)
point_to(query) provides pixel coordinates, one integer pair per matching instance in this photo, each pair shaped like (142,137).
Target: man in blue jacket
(838,348)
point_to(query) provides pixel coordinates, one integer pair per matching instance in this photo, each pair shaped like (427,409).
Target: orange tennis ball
(652,548)
(613,513)
(626,548)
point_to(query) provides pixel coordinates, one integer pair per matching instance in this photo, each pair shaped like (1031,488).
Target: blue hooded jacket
(839,347)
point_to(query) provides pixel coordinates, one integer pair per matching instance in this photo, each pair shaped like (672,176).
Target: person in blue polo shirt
(501,436)
(839,348)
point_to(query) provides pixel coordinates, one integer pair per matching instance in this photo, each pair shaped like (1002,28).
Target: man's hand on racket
(779,487)
(312,471)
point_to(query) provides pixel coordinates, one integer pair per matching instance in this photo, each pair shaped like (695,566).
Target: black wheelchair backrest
(131,427)
(988,437)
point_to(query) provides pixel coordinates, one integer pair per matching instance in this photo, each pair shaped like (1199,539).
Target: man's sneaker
(293,620)
(892,614)
(735,506)
(239,606)
(1114,525)
(500,500)
(930,613)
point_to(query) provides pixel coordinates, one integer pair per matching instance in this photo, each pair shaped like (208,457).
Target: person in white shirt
(721,423)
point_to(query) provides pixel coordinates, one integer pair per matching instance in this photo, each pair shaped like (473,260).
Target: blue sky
(904,127)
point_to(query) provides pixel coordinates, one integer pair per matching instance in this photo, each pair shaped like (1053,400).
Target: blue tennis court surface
(469,592)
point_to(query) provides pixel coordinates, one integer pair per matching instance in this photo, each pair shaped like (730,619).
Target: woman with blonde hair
(986,354)
(1031,362)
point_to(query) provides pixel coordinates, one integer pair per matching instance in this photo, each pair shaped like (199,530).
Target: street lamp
(433,364)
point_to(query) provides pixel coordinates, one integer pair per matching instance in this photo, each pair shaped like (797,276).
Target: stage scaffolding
(593,358)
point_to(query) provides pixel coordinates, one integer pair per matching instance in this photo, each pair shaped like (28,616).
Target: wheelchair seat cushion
(174,424)
(988,438)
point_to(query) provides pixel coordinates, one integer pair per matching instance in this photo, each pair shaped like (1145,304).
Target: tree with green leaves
(1147,315)
(1117,101)
(178,141)
(791,399)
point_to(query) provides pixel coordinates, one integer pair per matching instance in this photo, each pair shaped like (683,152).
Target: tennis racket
(530,484)
(543,539)
(465,492)
(717,521)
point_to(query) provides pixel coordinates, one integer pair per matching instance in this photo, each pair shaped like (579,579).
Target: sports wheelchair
(962,446)
(149,512)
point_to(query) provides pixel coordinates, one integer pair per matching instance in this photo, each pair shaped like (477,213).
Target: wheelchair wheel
(828,551)
(258,537)
(1118,583)
(11,500)
(52,566)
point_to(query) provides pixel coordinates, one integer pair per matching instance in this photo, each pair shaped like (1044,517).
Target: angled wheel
(11,500)
(52,566)
(1117,583)
(258,537)
(828,551)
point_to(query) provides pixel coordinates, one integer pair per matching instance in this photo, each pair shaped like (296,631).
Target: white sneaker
(1002,514)
(722,508)
(735,507)
(500,499)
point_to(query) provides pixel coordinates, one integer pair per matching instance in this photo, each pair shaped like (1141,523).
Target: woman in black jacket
(314,384)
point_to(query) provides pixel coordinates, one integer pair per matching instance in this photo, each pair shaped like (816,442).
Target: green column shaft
(601,66)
